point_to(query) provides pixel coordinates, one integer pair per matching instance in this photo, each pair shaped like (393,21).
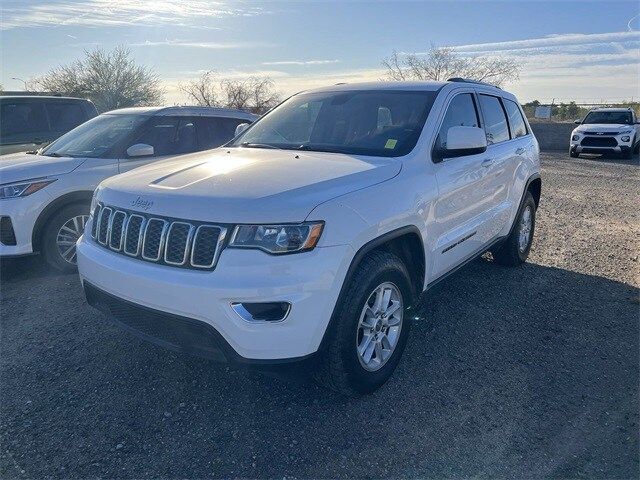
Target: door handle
(520,151)
(487,162)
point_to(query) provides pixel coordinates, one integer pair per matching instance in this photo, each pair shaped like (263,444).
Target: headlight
(277,239)
(626,132)
(22,189)
(575,137)
(626,138)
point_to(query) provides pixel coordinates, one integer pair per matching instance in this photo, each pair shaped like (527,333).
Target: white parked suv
(307,237)
(45,195)
(606,130)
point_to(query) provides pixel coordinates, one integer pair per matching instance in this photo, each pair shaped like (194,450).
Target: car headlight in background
(575,138)
(277,239)
(22,189)
(626,138)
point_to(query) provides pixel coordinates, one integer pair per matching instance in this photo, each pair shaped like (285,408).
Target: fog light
(262,312)
(626,138)
(575,138)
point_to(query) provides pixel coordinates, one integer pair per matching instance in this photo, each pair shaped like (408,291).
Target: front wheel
(369,330)
(515,249)
(61,234)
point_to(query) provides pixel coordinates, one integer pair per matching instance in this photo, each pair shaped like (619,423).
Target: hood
(242,185)
(22,166)
(603,127)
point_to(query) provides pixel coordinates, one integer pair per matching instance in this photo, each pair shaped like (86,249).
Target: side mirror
(463,141)
(241,128)
(140,150)
(577,122)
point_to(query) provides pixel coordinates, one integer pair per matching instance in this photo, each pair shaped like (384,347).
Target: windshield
(378,123)
(95,138)
(608,117)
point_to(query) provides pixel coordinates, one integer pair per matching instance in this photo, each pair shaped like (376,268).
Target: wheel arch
(405,242)
(83,196)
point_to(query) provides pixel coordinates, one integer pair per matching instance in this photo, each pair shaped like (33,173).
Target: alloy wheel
(379,326)
(68,235)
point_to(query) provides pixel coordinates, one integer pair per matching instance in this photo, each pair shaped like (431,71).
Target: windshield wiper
(258,145)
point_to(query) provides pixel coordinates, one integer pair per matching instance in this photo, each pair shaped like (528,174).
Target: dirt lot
(531,372)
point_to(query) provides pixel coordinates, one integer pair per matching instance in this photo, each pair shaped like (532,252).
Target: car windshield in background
(376,123)
(95,138)
(608,117)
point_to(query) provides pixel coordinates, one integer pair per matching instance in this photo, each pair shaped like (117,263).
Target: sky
(569,50)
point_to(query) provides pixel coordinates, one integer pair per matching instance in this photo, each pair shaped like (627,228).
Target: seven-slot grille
(179,243)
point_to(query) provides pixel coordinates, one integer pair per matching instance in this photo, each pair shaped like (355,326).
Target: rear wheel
(370,329)
(61,234)
(515,249)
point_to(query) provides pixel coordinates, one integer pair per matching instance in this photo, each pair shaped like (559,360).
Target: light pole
(21,80)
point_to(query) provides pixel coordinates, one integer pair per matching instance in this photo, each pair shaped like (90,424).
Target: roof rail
(467,80)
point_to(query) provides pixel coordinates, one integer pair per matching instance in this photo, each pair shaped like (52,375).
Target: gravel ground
(529,372)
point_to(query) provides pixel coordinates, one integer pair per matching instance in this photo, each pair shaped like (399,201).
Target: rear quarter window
(516,121)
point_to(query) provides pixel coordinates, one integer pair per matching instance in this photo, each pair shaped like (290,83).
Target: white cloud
(560,40)
(20,14)
(302,62)
(205,45)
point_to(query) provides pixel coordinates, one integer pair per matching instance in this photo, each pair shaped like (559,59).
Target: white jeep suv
(45,195)
(606,130)
(307,237)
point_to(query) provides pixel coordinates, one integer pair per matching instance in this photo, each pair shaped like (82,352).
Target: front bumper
(22,213)
(191,310)
(601,144)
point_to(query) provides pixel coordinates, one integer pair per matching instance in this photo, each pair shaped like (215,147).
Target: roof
(613,109)
(186,110)
(405,86)
(37,98)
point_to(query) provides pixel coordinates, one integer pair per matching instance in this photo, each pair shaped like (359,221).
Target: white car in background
(606,130)
(45,195)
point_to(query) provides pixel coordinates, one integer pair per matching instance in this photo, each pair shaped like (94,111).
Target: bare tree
(203,90)
(252,94)
(109,79)
(442,63)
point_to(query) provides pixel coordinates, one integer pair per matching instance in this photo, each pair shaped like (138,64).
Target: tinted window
(22,117)
(65,116)
(170,136)
(213,132)
(609,117)
(461,112)
(366,122)
(516,121)
(495,120)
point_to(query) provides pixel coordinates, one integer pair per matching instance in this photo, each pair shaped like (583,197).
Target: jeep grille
(167,241)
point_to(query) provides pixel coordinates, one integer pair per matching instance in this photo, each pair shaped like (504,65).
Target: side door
(216,131)
(503,157)
(464,196)
(168,135)
(23,125)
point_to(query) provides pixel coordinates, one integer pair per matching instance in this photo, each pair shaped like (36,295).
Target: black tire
(573,153)
(52,254)
(628,155)
(340,368)
(509,253)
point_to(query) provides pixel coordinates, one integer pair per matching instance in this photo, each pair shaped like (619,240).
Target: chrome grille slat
(103,225)
(133,234)
(165,241)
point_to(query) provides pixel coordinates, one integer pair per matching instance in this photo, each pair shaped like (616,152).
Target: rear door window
(461,112)
(216,131)
(20,121)
(495,119)
(516,121)
(65,116)
(170,136)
